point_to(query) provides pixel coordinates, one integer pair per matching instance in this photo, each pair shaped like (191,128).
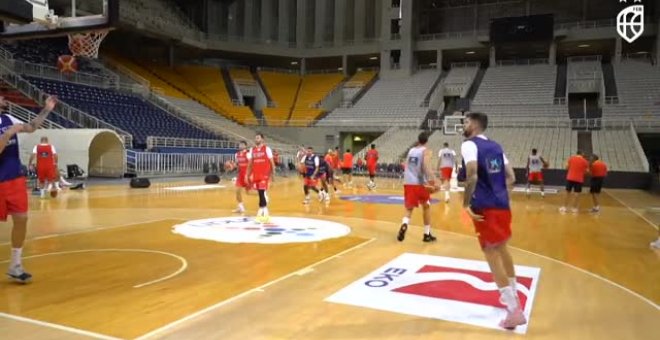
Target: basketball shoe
(17,274)
(513,319)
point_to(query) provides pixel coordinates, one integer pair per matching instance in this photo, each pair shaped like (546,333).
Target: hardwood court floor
(598,276)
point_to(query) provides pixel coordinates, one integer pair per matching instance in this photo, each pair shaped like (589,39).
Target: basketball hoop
(86,44)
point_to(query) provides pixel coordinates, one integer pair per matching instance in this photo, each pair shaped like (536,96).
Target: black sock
(262,199)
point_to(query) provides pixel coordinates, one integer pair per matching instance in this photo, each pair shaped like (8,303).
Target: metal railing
(533,61)
(587,124)
(174,142)
(27,116)
(49,72)
(559,101)
(172,164)
(611,100)
(452,35)
(63,109)
(586,24)
(465,64)
(585,58)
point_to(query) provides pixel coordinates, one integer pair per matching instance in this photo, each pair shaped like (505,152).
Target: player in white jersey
(418,179)
(535,165)
(447,165)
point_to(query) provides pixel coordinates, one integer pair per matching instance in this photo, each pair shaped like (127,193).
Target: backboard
(53,18)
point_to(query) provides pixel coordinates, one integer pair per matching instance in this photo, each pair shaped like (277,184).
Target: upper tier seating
(46,52)
(387,102)
(530,94)
(128,112)
(313,89)
(638,85)
(282,88)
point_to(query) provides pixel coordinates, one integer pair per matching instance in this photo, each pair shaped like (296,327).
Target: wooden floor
(106,264)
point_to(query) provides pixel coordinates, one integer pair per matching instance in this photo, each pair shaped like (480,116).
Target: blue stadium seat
(126,111)
(46,51)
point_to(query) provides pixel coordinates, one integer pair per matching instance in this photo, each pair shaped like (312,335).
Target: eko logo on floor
(379,199)
(247,230)
(439,287)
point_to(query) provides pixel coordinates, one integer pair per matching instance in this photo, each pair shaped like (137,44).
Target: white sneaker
(327,197)
(238,211)
(562,210)
(321,196)
(306,201)
(656,244)
(542,193)
(595,209)
(574,210)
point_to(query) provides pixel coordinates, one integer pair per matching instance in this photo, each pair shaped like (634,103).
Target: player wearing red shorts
(535,165)
(418,173)
(260,171)
(330,176)
(46,158)
(447,164)
(489,176)
(372,161)
(13,189)
(241,161)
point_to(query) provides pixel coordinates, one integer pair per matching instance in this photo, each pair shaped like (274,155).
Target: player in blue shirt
(13,189)
(489,177)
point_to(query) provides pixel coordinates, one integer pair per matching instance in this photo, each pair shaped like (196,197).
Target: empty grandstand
(638,84)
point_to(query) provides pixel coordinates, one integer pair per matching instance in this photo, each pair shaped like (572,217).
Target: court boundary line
(58,327)
(43,237)
(261,288)
(182,268)
(631,209)
(628,290)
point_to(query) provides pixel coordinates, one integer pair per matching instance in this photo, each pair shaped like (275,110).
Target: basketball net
(86,44)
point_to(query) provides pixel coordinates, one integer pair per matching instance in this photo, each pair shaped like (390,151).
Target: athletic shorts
(240,181)
(346,171)
(574,186)
(371,168)
(414,195)
(321,176)
(46,174)
(13,198)
(310,182)
(445,173)
(535,177)
(260,183)
(596,185)
(495,228)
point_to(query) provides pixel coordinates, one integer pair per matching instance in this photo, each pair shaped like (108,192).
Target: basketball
(53,193)
(546,165)
(67,64)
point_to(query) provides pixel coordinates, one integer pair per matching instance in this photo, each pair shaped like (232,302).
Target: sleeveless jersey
(310,164)
(242,161)
(535,163)
(447,158)
(372,157)
(10,161)
(45,156)
(414,172)
(491,190)
(260,156)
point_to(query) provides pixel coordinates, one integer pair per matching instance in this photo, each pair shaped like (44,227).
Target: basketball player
(486,200)
(241,161)
(417,174)
(13,190)
(260,172)
(347,167)
(46,158)
(300,157)
(577,167)
(598,172)
(535,165)
(312,165)
(372,160)
(337,166)
(330,176)
(656,244)
(447,164)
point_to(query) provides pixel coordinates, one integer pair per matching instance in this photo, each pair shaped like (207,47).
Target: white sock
(447,194)
(260,212)
(265,210)
(405,220)
(16,254)
(427,229)
(241,206)
(509,298)
(512,284)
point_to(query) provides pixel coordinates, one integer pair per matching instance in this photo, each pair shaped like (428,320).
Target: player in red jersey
(330,177)
(241,160)
(260,171)
(46,167)
(372,161)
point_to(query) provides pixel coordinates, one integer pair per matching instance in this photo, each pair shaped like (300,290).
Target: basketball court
(108,264)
